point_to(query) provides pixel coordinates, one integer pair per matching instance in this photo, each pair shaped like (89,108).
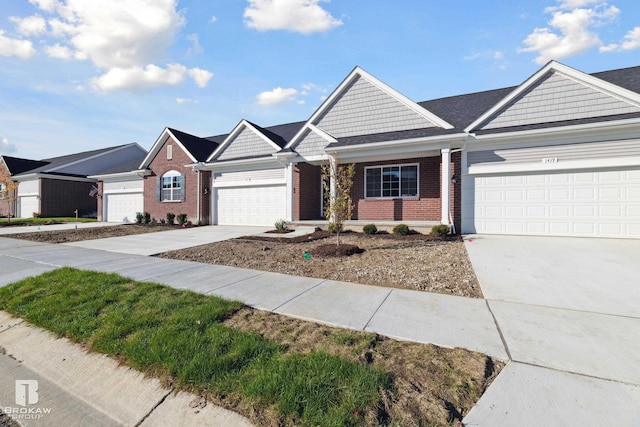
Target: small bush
(36,214)
(182,218)
(171,218)
(370,229)
(280,225)
(333,228)
(401,230)
(153,221)
(139,217)
(147,218)
(440,230)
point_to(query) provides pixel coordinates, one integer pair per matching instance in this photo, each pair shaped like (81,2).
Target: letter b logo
(26,392)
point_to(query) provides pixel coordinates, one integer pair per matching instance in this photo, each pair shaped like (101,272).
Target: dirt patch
(433,386)
(76,235)
(418,262)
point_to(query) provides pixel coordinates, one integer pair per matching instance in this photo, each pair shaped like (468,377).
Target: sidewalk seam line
(377,309)
(595,377)
(260,273)
(160,402)
(502,338)
(298,295)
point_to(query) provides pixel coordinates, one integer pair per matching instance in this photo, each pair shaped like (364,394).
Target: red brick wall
(159,166)
(61,198)
(7,205)
(307,189)
(456,190)
(426,207)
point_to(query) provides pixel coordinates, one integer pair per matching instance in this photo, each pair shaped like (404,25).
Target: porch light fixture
(454,179)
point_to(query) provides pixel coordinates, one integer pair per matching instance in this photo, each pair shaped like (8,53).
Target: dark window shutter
(183,187)
(158,188)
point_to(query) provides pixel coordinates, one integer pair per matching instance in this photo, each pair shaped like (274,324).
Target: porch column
(445,182)
(288,176)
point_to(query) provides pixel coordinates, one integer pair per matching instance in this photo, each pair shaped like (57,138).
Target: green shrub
(370,229)
(171,218)
(182,218)
(153,221)
(147,217)
(401,230)
(280,225)
(334,228)
(139,217)
(440,230)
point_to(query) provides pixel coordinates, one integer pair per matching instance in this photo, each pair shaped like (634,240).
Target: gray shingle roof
(18,165)
(200,148)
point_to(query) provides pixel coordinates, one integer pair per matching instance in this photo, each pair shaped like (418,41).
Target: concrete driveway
(568,311)
(163,241)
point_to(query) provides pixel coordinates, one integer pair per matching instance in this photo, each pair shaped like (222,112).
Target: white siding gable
(311,145)
(246,144)
(558,98)
(364,109)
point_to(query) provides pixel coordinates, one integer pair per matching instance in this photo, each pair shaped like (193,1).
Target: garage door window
(171,187)
(391,181)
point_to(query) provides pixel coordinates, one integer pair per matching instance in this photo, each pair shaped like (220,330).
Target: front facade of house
(557,155)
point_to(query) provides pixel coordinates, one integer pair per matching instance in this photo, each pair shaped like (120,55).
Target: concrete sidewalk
(567,367)
(16,229)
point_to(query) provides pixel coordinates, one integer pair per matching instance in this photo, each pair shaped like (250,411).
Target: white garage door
(123,207)
(594,203)
(260,205)
(28,205)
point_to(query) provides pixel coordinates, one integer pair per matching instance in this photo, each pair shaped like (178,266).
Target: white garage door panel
(123,207)
(587,203)
(28,205)
(260,205)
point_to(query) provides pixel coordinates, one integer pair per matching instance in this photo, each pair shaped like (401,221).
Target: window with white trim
(172,186)
(391,181)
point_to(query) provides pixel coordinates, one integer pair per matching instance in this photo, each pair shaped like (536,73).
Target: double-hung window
(172,186)
(391,181)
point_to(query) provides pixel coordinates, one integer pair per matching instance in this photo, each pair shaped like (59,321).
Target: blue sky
(77,75)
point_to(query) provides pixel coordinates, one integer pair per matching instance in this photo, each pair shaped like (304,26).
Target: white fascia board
(124,191)
(552,167)
(410,145)
(263,136)
(33,176)
(608,129)
(235,164)
(164,136)
(140,173)
(322,134)
(224,144)
(578,76)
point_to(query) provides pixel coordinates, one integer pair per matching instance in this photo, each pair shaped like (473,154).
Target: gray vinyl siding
(363,109)
(558,98)
(592,150)
(311,145)
(246,144)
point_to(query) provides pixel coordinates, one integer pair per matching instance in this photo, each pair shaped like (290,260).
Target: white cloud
(631,40)
(6,147)
(200,76)
(140,78)
(182,101)
(58,51)
(213,19)
(196,47)
(302,16)
(23,49)
(570,31)
(128,40)
(31,25)
(277,96)
(46,5)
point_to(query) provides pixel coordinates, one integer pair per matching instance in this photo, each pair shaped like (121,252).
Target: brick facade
(159,166)
(7,205)
(425,207)
(307,190)
(60,197)
(100,196)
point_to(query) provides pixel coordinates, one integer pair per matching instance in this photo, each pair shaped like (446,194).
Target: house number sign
(550,160)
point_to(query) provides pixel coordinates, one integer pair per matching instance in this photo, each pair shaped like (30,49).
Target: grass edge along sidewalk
(180,337)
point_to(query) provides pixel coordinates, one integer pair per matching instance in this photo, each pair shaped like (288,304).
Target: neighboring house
(59,186)
(121,191)
(172,181)
(557,155)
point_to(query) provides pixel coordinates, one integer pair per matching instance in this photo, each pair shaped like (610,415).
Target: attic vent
(169,152)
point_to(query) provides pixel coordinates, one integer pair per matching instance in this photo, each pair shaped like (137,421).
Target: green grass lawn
(56,220)
(179,336)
